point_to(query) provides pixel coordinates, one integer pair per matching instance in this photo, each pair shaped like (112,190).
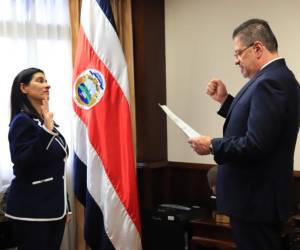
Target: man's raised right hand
(216,90)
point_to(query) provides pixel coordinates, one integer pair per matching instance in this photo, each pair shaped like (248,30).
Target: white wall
(199,47)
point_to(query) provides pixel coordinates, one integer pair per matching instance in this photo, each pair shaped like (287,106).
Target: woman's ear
(23,88)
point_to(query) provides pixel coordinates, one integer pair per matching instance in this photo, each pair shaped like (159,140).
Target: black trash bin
(167,226)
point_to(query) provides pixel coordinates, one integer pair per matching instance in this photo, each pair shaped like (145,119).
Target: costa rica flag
(104,165)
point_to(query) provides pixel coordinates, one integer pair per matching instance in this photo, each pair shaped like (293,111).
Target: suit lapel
(61,141)
(272,65)
(236,98)
(240,93)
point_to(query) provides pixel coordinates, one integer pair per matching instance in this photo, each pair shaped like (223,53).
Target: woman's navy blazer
(38,191)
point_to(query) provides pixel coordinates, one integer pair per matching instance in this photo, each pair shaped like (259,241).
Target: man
(255,156)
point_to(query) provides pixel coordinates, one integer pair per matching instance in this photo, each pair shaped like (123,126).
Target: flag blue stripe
(93,217)
(94,231)
(79,175)
(106,8)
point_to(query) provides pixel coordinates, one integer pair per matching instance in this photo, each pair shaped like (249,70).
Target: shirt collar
(278,58)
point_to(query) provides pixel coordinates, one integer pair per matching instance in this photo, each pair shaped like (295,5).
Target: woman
(37,200)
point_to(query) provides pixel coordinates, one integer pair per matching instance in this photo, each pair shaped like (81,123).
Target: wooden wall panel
(150,79)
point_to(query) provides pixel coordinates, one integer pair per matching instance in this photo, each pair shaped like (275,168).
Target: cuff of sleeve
(225,106)
(218,153)
(49,131)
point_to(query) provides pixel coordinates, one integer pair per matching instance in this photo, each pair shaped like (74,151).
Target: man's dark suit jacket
(38,191)
(255,156)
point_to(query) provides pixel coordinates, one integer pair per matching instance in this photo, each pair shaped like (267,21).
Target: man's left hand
(201,144)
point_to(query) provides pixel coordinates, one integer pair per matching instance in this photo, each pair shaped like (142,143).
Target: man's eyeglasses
(239,53)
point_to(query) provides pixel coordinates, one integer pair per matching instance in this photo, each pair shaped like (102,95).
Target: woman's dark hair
(19,100)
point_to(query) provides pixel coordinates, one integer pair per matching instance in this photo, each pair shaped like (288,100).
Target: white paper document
(186,129)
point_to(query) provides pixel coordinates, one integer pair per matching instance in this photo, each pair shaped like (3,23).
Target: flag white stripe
(117,223)
(105,42)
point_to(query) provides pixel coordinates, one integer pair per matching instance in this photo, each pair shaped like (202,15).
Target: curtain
(123,18)
(36,33)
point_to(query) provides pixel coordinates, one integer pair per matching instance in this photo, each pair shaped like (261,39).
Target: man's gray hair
(256,30)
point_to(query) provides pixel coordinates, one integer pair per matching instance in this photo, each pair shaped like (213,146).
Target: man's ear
(23,88)
(258,47)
